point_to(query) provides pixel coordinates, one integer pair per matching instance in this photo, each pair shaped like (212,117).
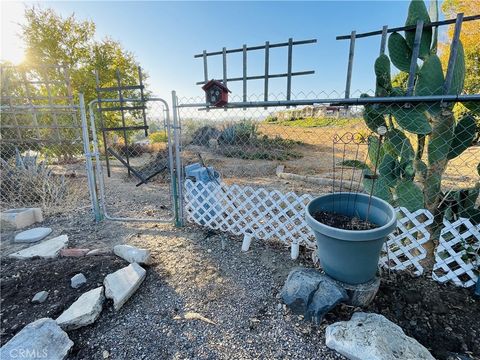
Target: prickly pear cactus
(402,174)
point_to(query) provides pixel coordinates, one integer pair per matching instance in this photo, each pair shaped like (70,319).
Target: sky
(164,36)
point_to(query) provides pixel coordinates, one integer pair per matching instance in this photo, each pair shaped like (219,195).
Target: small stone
(105,354)
(73,252)
(120,285)
(33,235)
(40,297)
(47,249)
(84,311)
(78,280)
(133,254)
(374,337)
(43,338)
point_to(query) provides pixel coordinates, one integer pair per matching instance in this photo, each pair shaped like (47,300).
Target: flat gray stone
(78,280)
(84,311)
(311,293)
(374,337)
(33,235)
(47,249)
(41,339)
(133,254)
(40,297)
(120,285)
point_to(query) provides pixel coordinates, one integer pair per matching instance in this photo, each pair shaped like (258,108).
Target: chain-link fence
(42,162)
(140,188)
(271,161)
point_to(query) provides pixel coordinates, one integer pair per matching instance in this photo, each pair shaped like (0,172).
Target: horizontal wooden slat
(124,108)
(116,88)
(137,127)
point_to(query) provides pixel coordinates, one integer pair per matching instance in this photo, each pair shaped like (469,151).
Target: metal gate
(145,187)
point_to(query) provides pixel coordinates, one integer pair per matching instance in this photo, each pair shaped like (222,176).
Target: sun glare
(12,48)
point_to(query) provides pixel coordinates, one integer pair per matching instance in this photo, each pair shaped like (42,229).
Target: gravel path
(195,273)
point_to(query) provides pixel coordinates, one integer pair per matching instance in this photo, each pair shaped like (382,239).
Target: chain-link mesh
(41,141)
(424,161)
(140,188)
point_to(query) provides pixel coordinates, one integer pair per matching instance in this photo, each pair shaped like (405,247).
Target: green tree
(51,39)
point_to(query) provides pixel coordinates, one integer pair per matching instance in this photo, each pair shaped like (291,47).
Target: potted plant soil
(350,229)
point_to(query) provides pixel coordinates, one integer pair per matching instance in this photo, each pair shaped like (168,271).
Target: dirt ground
(195,270)
(199,271)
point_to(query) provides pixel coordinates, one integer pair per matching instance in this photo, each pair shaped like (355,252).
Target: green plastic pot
(351,256)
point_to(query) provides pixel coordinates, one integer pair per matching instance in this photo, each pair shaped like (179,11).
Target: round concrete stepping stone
(32,235)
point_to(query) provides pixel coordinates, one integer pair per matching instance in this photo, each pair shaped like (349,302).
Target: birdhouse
(216,93)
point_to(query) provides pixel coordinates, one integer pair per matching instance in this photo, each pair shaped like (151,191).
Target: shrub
(158,137)
(26,181)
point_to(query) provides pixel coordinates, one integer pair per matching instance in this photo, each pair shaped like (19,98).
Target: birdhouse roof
(212,82)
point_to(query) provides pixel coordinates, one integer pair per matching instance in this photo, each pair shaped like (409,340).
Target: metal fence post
(88,160)
(178,163)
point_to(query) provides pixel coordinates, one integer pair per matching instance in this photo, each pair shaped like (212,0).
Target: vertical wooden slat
(144,115)
(5,83)
(383,42)
(29,98)
(289,69)
(120,96)
(102,125)
(205,67)
(224,58)
(453,54)
(244,73)
(70,100)
(50,102)
(350,64)
(415,53)
(267,69)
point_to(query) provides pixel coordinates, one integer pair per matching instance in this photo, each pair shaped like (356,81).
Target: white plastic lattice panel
(267,214)
(456,257)
(404,248)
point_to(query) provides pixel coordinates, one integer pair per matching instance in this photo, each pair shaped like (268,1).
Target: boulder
(40,297)
(47,249)
(120,285)
(133,254)
(32,235)
(84,311)
(41,339)
(374,337)
(78,280)
(312,294)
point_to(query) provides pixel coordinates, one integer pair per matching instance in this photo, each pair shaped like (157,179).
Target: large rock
(46,249)
(311,293)
(19,218)
(120,285)
(41,339)
(373,337)
(33,235)
(133,254)
(84,311)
